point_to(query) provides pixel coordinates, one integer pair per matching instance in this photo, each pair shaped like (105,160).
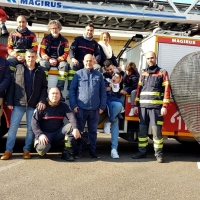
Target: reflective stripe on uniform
(166,100)
(71,71)
(43,46)
(34,44)
(61,58)
(12,68)
(137,99)
(66,49)
(140,83)
(62,73)
(61,78)
(143,144)
(152,101)
(46,72)
(143,139)
(10,43)
(67,143)
(160,123)
(165,83)
(150,93)
(158,144)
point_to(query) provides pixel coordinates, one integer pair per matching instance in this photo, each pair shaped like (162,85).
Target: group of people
(90,92)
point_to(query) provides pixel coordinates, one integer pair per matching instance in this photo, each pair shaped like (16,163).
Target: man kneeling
(49,128)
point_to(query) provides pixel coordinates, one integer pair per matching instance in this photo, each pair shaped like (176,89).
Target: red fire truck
(169,50)
(136,16)
(170,47)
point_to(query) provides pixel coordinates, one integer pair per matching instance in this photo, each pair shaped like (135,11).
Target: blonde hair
(107,34)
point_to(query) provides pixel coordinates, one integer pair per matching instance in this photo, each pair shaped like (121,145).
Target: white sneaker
(131,112)
(123,110)
(114,153)
(107,127)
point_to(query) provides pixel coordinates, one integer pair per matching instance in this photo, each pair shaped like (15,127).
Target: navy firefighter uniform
(153,93)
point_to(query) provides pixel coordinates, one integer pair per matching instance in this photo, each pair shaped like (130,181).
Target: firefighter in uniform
(19,41)
(152,100)
(54,51)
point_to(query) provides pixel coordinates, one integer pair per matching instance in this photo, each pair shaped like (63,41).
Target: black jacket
(103,58)
(80,47)
(17,95)
(51,119)
(5,76)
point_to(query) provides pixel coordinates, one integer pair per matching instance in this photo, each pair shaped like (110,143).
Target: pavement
(104,178)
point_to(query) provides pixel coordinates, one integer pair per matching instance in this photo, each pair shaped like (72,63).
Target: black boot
(68,156)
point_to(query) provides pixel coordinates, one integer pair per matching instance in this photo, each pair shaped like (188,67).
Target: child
(130,81)
(114,93)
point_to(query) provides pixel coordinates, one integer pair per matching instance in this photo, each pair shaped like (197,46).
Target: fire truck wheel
(3,127)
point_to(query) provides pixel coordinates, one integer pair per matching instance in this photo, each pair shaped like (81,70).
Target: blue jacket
(5,76)
(87,90)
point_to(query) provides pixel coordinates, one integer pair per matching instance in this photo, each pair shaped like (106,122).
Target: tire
(3,127)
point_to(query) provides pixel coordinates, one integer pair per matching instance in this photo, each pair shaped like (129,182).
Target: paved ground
(105,178)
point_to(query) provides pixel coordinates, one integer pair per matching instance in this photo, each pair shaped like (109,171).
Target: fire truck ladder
(126,15)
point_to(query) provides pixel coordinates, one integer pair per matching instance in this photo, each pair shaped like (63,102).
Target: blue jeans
(16,118)
(110,107)
(116,107)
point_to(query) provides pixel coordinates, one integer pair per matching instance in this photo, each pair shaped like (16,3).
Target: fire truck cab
(169,47)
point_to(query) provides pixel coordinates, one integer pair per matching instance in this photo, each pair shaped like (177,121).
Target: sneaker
(107,127)
(131,113)
(139,155)
(7,155)
(114,153)
(123,110)
(67,156)
(26,155)
(159,159)
(93,155)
